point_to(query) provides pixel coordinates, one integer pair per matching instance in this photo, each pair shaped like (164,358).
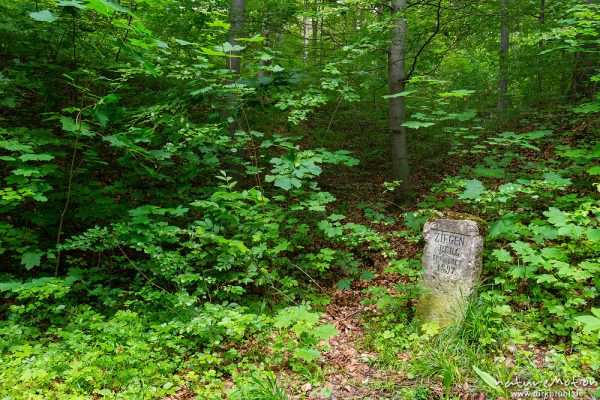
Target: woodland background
(208,199)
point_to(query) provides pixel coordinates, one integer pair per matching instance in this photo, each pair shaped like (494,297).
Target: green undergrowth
(535,316)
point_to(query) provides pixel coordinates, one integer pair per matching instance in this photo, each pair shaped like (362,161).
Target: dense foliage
(170,224)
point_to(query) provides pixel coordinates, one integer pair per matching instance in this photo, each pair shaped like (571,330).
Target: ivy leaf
(31,259)
(417,124)
(308,355)
(44,16)
(473,190)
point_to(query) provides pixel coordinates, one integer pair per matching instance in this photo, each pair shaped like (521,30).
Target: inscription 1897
(448,252)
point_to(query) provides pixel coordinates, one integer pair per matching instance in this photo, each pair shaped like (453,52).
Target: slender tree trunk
(361,18)
(315,30)
(538,76)
(236,30)
(503,70)
(397,112)
(306,32)
(234,63)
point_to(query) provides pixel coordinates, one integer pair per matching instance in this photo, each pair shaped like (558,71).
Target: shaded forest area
(225,199)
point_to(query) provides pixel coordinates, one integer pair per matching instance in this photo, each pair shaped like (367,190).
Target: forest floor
(354,367)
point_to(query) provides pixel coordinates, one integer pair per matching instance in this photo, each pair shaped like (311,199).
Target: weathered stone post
(452,262)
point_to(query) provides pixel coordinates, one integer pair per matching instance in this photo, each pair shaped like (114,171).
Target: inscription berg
(448,259)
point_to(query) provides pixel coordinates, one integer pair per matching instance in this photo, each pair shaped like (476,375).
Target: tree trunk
(234,63)
(306,32)
(538,76)
(503,70)
(397,112)
(315,30)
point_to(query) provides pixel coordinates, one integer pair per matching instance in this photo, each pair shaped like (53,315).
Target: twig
(140,271)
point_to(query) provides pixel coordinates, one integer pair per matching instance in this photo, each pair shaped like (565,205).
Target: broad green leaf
(344,284)
(44,16)
(488,379)
(556,217)
(399,94)
(71,3)
(595,170)
(31,259)
(417,124)
(325,331)
(590,323)
(502,255)
(255,38)
(184,42)
(36,157)
(287,182)
(308,355)
(553,177)
(473,190)
(458,93)
(366,275)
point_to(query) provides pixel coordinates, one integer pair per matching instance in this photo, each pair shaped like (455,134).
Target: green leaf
(553,177)
(488,379)
(255,38)
(366,275)
(399,94)
(556,217)
(71,3)
(417,124)
(36,157)
(590,323)
(458,93)
(325,331)
(286,182)
(308,355)
(473,190)
(502,255)
(344,284)
(44,16)
(31,259)
(595,170)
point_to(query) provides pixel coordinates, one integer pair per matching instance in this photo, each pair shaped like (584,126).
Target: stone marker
(451,266)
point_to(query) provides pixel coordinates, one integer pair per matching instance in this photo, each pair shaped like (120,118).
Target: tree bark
(236,29)
(397,112)
(315,30)
(306,32)
(538,76)
(503,70)
(234,63)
